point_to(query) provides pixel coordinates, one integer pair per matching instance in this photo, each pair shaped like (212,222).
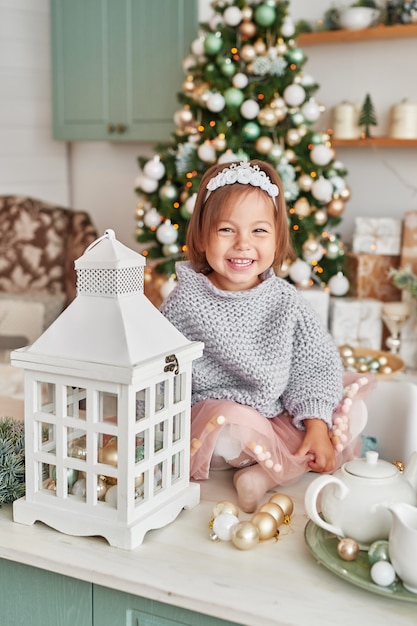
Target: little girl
(267,394)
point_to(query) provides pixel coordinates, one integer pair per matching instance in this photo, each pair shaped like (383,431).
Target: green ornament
(210,71)
(296,55)
(251,131)
(233,97)
(276,152)
(228,68)
(265,15)
(297,118)
(378,551)
(213,43)
(316,138)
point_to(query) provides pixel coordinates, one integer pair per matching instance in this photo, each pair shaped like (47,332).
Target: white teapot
(350,497)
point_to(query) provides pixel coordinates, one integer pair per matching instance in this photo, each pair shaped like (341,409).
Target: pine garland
(12,460)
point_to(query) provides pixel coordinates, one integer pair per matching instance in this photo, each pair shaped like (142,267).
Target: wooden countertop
(275,583)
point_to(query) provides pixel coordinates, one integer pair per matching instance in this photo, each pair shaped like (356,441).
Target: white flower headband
(245,174)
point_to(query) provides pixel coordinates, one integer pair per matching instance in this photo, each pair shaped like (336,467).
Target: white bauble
(338,183)
(227,157)
(197,46)
(287,28)
(223,524)
(307,80)
(148,185)
(294,95)
(232,16)
(111,496)
(206,152)
(168,286)
(154,168)
(311,111)
(187,62)
(215,22)
(249,109)
(322,189)
(321,154)
(312,250)
(299,271)
(240,80)
(215,102)
(190,203)
(166,233)
(338,284)
(152,218)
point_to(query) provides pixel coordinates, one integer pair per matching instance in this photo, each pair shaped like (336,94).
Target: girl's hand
(317,445)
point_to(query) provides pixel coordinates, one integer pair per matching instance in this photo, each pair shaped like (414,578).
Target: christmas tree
(246,95)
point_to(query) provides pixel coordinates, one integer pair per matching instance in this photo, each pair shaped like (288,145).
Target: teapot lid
(371,467)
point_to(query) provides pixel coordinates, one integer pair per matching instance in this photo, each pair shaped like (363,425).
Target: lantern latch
(172,364)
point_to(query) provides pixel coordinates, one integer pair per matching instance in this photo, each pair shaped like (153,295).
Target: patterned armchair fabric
(39,243)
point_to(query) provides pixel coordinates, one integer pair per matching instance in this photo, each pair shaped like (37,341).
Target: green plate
(323,546)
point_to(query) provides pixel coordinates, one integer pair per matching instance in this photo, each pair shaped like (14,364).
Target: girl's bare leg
(251,484)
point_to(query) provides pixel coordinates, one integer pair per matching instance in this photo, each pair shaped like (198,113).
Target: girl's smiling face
(242,245)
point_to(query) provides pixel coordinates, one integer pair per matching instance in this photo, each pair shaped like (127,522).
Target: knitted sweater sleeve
(315,384)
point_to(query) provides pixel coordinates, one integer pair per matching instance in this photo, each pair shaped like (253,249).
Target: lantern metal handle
(172,364)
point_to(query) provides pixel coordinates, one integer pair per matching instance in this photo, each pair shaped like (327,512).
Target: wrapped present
(377,235)
(409,242)
(356,322)
(369,276)
(319,300)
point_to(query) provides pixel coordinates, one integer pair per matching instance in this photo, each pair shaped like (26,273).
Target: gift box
(319,301)
(409,242)
(377,235)
(356,322)
(369,276)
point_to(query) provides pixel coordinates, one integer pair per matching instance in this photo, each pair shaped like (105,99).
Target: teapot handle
(312,494)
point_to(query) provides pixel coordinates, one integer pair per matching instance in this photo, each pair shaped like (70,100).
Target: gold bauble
(284,502)
(259,46)
(108,454)
(248,53)
(302,207)
(275,510)
(345,193)
(264,144)
(219,143)
(248,30)
(293,137)
(320,217)
(246,13)
(225,507)
(266,524)
(267,117)
(188,86)
(245,535)
(305,182)
(101,488)
(290,156)
(336,207)
(139,480)
(346,351)
(347,549)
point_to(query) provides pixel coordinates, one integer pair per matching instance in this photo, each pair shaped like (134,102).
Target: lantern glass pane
(160,434)
(177,427)
(47,437)
(46,482)
(176,467)
(158,477)
(142,404)
(160,395)
(77,444)
(179,387)
(76,402)
(46,397)
(108,407)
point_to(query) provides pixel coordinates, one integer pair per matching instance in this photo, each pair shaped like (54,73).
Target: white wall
(31,163)
(101,175)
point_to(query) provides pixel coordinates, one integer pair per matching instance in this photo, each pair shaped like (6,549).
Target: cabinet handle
(121,128)
(111,128)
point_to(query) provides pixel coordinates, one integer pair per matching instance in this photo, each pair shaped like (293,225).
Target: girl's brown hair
(207,212)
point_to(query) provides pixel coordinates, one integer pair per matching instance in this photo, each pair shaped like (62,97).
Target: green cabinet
(32,597)
(117,67)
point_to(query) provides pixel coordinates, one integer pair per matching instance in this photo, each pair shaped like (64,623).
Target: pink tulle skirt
(227,434)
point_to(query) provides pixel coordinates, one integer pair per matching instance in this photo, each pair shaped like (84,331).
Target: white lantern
(107,408)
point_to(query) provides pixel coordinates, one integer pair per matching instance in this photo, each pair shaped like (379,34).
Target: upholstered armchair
(39,243)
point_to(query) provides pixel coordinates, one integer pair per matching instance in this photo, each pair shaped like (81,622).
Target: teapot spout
(410,472)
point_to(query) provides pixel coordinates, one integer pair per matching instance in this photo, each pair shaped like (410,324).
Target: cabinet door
(117,67)
(32,596)
(123,609)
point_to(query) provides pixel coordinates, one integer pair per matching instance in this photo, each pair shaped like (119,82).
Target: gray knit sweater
(263,347)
